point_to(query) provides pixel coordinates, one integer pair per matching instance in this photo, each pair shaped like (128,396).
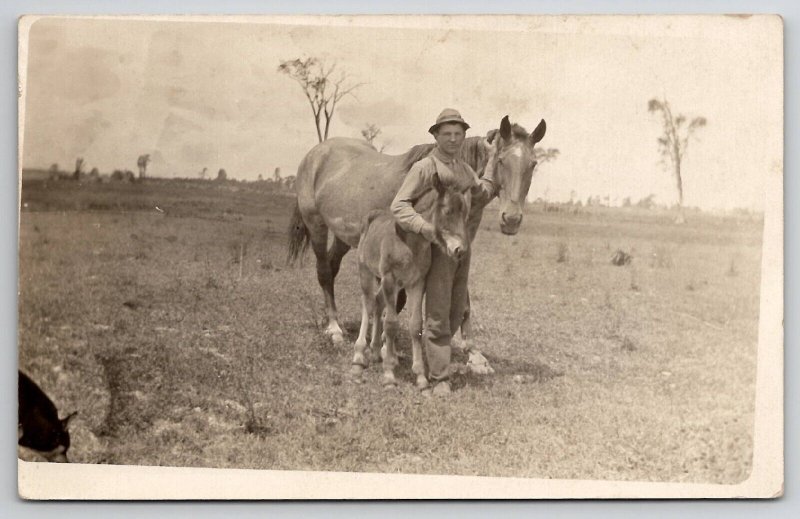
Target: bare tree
(673,142)
(141,162)
(545,155)
(370,132)
(320,88)
(289,181)
(78,168)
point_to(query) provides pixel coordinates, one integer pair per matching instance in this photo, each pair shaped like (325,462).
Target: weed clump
(562,253)
(621,258)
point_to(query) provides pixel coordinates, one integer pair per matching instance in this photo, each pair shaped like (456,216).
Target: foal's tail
(298,237)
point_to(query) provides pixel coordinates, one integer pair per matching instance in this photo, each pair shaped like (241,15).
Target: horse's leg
(460,318)
(391,326)
(319,242)
(476,362)
(335,255)
(367,308)
(415,294)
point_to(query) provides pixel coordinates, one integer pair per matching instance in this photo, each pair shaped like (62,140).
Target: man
(446,284)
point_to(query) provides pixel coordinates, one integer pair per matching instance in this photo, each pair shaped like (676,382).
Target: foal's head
(449,218)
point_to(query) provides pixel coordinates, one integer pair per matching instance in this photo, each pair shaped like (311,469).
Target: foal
(390,259)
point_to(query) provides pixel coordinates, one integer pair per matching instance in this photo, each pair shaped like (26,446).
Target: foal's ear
(65,421)
(437,184)
(490,136)
(539,132)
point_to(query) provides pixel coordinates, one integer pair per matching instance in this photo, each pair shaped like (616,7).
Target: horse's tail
(298,236)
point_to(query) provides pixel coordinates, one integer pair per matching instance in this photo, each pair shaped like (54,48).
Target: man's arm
(487,182)
(417,181)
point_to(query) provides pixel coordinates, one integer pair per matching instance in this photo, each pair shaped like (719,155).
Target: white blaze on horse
(390,260)
(340,181)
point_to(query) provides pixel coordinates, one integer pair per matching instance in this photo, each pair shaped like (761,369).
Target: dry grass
(182,341)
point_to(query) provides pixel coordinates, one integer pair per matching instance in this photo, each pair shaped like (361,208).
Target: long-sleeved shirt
(452,171)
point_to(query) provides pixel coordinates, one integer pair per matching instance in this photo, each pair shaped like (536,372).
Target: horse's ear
(437,183)
(490,136)
(487,144)
(538,133)
(505,129)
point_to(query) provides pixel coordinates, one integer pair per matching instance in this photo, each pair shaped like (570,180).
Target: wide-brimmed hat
(448,115)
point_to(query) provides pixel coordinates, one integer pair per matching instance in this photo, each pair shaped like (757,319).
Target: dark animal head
(512,159)
(38,426)
(449,218)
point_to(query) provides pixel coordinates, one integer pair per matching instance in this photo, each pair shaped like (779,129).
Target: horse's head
(449,218)
(512,158)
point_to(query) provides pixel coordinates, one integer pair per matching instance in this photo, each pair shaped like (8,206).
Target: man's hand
(428,232)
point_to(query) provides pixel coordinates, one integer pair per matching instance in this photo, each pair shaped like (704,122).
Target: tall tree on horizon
(141,162)
(673,142)
(78,168)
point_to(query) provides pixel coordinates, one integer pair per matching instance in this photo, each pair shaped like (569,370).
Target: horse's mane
(474,153)
(414,154)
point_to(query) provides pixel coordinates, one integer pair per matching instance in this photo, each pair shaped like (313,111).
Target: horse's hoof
(478,364)
(422,383)
(356,370)
(337,339)
(389,381)
(480,369)
(442,389)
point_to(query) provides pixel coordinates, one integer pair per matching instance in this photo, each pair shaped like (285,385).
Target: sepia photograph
(411,257)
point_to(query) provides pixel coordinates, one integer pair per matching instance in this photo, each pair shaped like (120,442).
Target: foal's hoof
(337,338)
(356,370)
(422,382)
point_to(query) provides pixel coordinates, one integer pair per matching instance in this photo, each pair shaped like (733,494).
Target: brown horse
(390,260)
(341,180)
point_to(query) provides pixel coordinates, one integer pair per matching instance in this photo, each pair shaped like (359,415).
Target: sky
(206,93)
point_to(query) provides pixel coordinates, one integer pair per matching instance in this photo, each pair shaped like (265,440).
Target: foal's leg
(368,289)
(325,276)
(415,294)
(391,326)
(377,326)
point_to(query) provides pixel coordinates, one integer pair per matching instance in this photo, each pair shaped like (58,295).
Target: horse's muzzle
(509,224)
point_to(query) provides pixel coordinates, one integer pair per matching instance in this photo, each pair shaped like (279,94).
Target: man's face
(450,137)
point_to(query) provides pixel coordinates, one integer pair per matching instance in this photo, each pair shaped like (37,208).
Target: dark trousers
(445,307)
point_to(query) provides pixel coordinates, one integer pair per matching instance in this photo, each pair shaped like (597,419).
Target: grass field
(163,312)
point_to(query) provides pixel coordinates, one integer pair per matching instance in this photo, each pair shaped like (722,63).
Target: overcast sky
(207,94)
